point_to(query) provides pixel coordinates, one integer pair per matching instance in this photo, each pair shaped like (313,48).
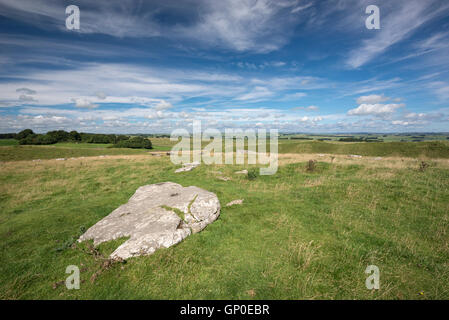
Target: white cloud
(257,93)
(434,116)
(294,96)
(375,109)
(83,103)
(309,108)
(441,89)
(371,99)
(157,115)
(163,105)
(310,119)
(300,8)
(241,25)
(100,95)
(403,123)
(26,91)
(261,66)
(438,40)
(8,103)
(26,98)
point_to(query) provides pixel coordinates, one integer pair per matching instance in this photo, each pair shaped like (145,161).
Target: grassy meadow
(11,151)
(404,137)
(298,235)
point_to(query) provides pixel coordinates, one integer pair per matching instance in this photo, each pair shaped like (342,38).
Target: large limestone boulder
(157,215)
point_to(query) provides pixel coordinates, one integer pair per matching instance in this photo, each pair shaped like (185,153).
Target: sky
(307,66)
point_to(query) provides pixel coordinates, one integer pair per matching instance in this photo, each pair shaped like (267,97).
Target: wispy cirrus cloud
(26,91)
(309,108)
(400,21)
(239,25)
(371,99)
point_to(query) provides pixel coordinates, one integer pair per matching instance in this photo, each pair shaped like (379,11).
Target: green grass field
(10,151)
(298,234)
(16,153)
(405,137)
(8,142)
(434,149)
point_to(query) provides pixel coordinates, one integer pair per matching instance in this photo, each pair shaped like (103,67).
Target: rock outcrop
(156,216)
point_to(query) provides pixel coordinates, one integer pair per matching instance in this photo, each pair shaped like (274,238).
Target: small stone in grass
(239,201)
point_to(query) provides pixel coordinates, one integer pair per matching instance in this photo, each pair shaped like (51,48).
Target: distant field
(80,145)
(385,137)
(8,142)
(11,151)
(16,153)
(436,149)
(158,145)
(430,149)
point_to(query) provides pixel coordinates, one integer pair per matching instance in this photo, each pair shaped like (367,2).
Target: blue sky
(293,65)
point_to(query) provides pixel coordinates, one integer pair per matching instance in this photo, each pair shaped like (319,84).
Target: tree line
(28,137)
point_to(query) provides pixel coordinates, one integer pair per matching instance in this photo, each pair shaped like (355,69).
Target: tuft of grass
(70,241)
(253,173)
(190,205)
(175,210)
(423,166)
(311,166)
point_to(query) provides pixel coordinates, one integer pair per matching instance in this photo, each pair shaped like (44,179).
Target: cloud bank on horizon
(293,65)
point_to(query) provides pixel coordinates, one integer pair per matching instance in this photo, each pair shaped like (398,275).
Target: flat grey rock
(188,167)
(156,216)
(234,202)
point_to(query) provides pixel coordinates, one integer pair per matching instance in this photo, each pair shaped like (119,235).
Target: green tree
(74,136)
(135,143)
(24,133)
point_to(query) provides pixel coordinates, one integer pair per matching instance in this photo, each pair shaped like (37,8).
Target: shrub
(74,136)
(135,143)
(8,135)
(98,138)
(253,173)
(121,138)
(423,166)
(38,139)
(311,166)
(59,135)
(351,139)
